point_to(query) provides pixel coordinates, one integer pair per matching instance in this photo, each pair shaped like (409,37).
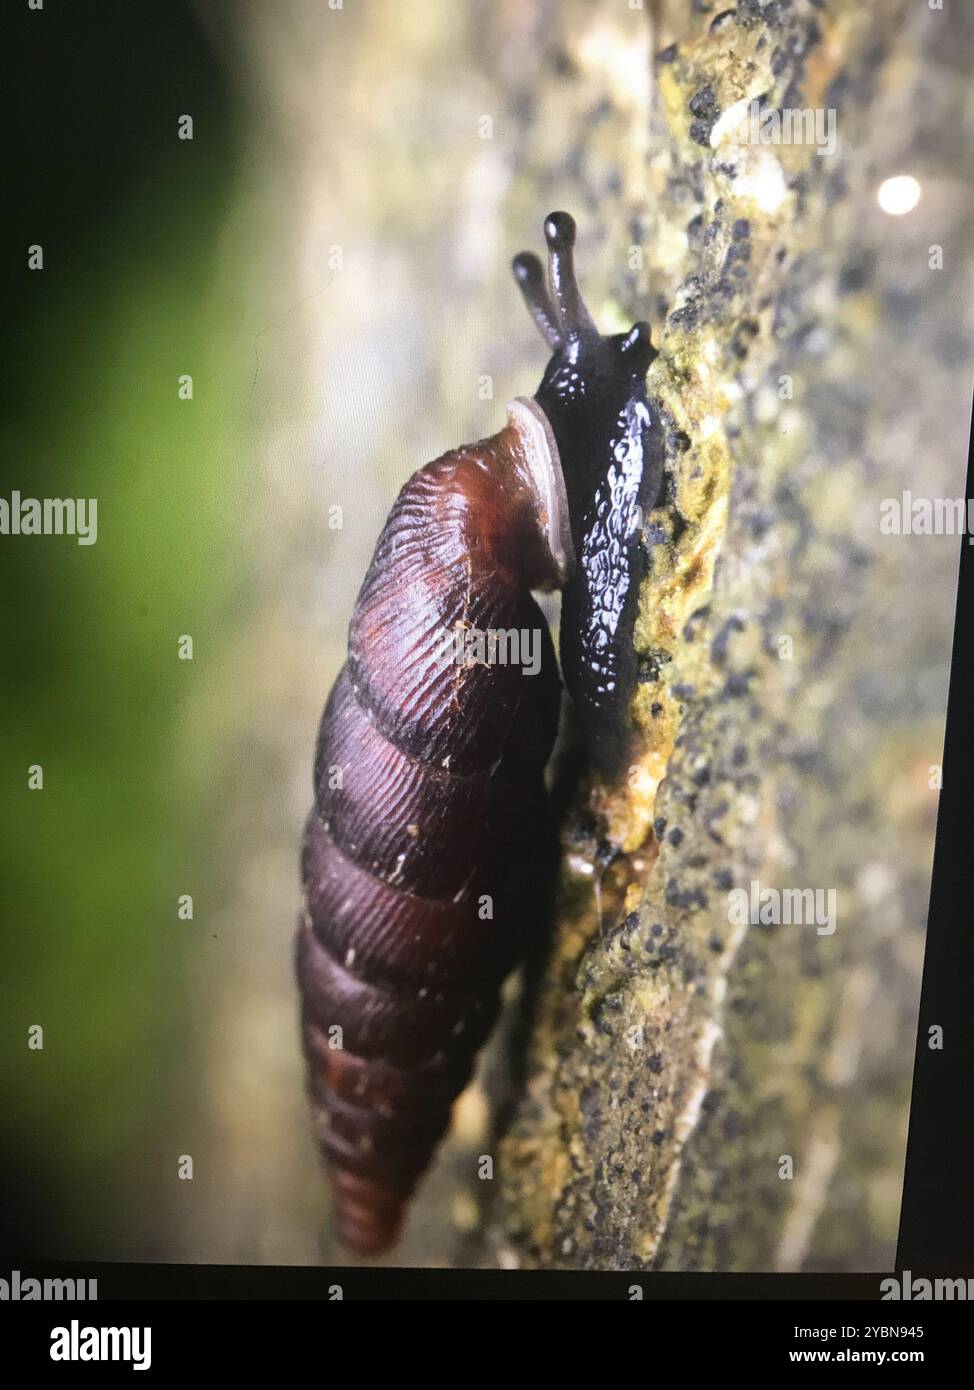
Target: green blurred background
(133,293)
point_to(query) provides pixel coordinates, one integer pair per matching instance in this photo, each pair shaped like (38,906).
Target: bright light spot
(899,195)
(764,181)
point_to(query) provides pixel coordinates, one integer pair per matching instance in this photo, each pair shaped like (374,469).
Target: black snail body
(611,449)
(429,855)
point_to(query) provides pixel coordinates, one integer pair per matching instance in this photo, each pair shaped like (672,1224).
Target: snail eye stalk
(530,276)
(574,318)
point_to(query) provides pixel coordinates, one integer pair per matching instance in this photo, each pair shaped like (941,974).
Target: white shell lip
(547,481)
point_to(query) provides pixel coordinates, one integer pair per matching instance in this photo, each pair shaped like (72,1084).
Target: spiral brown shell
(428,867)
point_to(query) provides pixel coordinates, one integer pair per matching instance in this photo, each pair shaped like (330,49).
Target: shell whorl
(429,802)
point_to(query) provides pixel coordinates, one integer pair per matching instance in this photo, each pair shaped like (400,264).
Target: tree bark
(702,1093)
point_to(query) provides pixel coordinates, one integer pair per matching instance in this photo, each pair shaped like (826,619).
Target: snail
(429,855)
